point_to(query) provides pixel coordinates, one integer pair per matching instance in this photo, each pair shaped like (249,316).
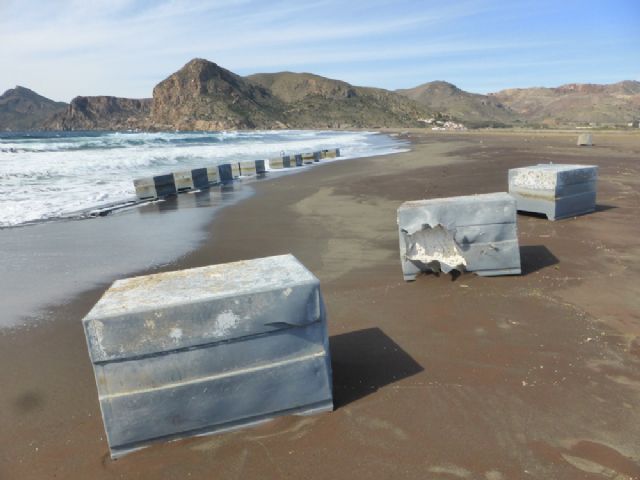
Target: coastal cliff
(101,113)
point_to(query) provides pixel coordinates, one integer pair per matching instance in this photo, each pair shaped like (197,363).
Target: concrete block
(332,153)
(228,171)
(208,349)
(184,180)
(317,156)
(275,163)
(145,188)
(555,190)
(299,160)
(252,167)
(165,185)
(585,140)
(474,233)
(200,178)
(213,175)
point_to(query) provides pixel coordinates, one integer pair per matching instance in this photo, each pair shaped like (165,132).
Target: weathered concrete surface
(555,190)
(475,233)
(208,349)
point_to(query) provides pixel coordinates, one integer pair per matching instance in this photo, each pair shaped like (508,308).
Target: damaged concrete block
(585,140)
(555,190)
(208,349)
(474,233)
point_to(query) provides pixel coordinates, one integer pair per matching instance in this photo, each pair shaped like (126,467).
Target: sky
(65,48)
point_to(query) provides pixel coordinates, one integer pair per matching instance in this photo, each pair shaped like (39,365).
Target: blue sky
(64,48)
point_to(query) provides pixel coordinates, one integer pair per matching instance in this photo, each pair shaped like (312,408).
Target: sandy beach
(532,376)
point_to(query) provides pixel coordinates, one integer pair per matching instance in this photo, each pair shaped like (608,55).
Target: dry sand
(534,376)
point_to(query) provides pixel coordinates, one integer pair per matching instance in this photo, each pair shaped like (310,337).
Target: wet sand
(533,376)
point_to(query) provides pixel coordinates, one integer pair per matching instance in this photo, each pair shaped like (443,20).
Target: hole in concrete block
(436,248)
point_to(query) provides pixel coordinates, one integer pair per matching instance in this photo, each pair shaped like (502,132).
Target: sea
(46,176)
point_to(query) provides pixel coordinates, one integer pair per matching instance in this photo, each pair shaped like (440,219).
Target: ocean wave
(48,175)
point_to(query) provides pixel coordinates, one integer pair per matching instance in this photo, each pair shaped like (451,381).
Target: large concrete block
(184,180)
(145,188)
(299,160)
(228,171)
(208,349)
(555,190)
(165,185)
(200,178)
(585,140)
(474,233)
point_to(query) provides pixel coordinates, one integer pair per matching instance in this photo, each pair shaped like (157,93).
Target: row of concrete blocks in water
(226,346)
(199,178)
(478,233)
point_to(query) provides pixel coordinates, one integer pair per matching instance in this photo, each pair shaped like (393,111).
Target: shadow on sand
(364,361)
(536,257)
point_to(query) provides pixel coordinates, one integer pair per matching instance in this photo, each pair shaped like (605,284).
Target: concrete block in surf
(332,153)
(165,185)
(184,180)
(208,349)
(252,167)
(299,160)
(227,172)
(145,188)
(475,233)
(555,190)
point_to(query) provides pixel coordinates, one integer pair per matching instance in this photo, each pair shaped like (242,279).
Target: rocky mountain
(312,101)
(101,113)
(24,109)
(617,103)
(472,109)
(204,96)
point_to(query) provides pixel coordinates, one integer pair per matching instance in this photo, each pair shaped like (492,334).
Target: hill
(313,101)
(204,96)
(575,103)
(472,109)
(24,109)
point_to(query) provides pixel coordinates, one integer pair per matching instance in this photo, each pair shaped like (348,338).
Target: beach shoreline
(474,377)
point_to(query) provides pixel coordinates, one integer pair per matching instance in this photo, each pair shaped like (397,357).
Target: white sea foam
(50,175)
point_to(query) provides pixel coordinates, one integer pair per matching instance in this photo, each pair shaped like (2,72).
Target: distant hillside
(575,103)
(313,101)
(470,108)
(101,113)
(24,109)
(204,96)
